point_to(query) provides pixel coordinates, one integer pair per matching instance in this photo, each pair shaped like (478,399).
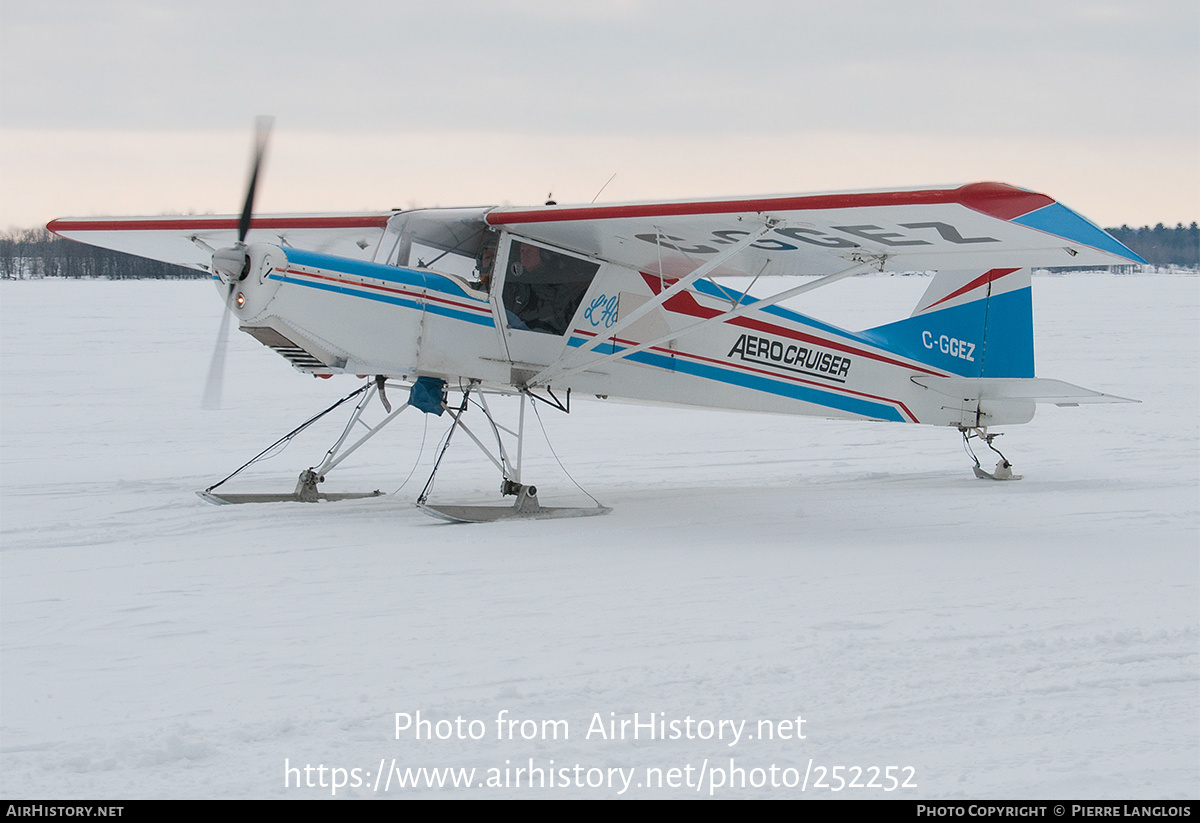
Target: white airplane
(633,301)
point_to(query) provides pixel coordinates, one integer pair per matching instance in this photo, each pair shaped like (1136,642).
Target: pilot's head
(531,256)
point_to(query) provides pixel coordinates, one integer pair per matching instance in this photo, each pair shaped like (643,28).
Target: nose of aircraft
(231,264)
(244,273)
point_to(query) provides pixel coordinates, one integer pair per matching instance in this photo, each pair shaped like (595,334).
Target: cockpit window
(543,288)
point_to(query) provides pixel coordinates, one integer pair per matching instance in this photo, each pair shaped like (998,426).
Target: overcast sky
(146,106)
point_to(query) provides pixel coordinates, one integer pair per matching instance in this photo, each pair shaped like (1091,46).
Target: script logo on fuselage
(793,357)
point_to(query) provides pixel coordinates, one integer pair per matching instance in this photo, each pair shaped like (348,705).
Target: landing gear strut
(306,485)
(430,399)
(526,506)
(1003,469)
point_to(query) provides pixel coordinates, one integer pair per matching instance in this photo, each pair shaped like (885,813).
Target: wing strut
(564,366)
(737,311)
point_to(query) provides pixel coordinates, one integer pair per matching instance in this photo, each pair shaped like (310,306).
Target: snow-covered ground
(1031,639)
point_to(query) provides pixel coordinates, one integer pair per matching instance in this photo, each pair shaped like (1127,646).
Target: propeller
(232,264)
(262,133)
(216,369)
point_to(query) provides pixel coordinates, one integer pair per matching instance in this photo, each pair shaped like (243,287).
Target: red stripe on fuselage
(686,303)
(406,292)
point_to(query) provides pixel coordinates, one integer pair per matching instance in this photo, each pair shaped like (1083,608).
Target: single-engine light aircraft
(634,301)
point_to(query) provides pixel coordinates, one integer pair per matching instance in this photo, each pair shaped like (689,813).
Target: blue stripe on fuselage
(405,302)
(430,281)
(736,377)
(390,274)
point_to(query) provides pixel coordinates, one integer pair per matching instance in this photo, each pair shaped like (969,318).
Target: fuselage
(332,315)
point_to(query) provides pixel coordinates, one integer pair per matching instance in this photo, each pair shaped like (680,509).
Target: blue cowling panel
(426,394)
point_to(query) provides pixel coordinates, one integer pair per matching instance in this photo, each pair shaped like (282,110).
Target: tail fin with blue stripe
(969,323)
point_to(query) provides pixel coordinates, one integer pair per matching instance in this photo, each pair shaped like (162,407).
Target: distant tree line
(1161,246)
(32,253)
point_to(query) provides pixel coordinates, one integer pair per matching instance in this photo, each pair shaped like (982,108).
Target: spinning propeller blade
(232,264)
(262,133)
(216,369)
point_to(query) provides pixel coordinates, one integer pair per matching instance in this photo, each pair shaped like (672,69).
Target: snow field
(1030,639)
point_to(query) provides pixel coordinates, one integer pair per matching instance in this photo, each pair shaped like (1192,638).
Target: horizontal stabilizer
(1038,389)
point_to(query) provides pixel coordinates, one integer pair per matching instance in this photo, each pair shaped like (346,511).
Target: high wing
(962,227)
(191,240)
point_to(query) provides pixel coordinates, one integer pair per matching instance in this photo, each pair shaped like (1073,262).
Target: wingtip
(1070,225)
(1001,200)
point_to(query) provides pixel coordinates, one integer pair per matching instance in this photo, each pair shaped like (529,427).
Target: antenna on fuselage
(605,186)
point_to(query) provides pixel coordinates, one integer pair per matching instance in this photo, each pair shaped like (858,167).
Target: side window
(543,288)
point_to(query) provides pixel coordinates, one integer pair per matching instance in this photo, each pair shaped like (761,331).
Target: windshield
(442,240)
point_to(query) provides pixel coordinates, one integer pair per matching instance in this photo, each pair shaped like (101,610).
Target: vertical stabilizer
(969,323)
